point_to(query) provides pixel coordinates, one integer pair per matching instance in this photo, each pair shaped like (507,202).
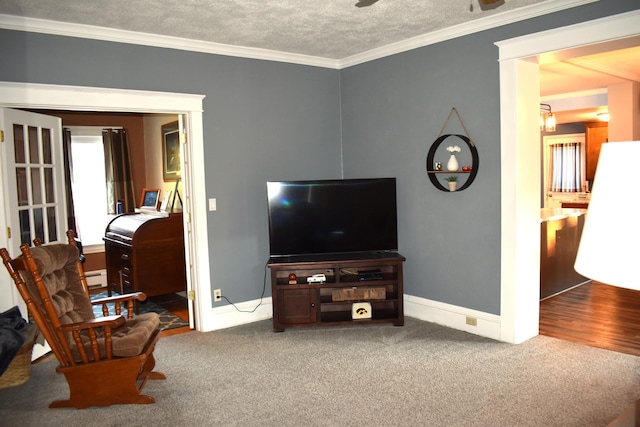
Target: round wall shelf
(433,174)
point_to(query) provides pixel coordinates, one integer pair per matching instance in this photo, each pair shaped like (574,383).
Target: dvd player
(364,275)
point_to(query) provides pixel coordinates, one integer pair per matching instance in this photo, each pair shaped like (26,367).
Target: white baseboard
(487,325)
(452,316)
(228,316)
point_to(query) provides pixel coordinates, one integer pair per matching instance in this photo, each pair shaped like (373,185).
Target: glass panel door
(35,186)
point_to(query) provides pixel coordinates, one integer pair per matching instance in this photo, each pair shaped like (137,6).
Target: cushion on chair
(130,339)
(57,264)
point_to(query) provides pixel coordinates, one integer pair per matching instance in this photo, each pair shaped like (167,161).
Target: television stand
(337,301)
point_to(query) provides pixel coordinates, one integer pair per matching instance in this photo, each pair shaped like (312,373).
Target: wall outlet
(217,294)
(472,321)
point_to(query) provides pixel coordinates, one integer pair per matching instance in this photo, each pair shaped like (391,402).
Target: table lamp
(608,250)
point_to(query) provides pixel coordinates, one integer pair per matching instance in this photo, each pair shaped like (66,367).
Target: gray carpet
(417,375)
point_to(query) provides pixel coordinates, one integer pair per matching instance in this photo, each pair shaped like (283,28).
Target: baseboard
(245,312)
(487,325)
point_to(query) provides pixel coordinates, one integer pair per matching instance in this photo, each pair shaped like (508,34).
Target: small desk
(145,253)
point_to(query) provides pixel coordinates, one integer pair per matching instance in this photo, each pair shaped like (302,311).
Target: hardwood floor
(177,306)
(594,314)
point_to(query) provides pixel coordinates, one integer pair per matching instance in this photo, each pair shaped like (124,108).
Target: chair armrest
(101,322)
(138,296)
(126,299)
(92,347)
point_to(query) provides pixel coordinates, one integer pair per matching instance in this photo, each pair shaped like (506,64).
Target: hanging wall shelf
(471,174)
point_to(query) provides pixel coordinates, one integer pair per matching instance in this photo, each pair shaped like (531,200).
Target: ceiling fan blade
(365,3)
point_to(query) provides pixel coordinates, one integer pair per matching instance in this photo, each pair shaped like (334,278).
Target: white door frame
(77,98)
(520,156)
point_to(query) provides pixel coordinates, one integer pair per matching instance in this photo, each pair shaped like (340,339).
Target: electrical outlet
(217,294)
(472,321)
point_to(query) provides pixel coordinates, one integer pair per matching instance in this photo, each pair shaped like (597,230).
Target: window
(566,163)
(88,185)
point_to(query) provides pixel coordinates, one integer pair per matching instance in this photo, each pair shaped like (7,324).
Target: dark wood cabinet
(596,133)
(145,252)
(375,281)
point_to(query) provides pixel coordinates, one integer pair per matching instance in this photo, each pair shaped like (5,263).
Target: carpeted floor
(420,374)
(168,320)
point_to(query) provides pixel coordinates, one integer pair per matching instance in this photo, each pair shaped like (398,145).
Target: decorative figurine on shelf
(437,166)
(466,169)
(293,279)
(452,164)
(453,182)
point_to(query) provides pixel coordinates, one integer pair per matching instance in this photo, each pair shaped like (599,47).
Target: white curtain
(567,167)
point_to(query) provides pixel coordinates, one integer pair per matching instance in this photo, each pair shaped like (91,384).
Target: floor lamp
(609,251)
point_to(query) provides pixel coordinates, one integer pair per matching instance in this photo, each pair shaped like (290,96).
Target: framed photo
(149,199)
(170,152)
(165,201)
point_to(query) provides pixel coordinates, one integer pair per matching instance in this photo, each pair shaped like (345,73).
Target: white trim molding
(35,25)
(487,325)
(520,156)
(242,313)
(77,98)
(465,29)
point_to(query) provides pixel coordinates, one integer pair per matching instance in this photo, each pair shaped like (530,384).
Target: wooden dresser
(145,253)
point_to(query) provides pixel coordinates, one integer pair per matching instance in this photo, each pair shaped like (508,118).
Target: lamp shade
(609,250)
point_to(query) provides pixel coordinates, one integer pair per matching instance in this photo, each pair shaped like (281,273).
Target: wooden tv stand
(330,303)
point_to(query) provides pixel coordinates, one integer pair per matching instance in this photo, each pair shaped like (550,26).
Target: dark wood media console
(376,281)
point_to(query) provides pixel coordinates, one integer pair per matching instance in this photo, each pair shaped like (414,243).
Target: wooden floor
(177,306)
(594,314)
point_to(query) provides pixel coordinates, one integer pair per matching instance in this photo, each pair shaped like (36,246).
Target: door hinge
(8,232)
(183,138)
(1,136)
(191,295)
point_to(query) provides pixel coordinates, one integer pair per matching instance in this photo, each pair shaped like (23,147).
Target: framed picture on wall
(170,152)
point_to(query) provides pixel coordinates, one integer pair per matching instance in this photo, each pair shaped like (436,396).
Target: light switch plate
(212,204)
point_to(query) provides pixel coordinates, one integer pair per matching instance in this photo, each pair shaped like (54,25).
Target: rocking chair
(105,360)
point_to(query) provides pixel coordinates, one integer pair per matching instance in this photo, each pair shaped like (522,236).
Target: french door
(32,190)
(34,186)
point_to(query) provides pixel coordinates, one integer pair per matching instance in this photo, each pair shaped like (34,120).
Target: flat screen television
(327,218)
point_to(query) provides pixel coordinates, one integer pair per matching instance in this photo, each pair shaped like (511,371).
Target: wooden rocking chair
(105,360)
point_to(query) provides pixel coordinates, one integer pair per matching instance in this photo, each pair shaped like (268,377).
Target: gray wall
(393,110)
(262,121)
(271,121)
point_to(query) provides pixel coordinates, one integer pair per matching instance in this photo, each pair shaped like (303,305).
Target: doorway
(189,109)
(520,177)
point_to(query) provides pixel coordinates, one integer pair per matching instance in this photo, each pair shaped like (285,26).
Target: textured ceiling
(328,29)
(333,29)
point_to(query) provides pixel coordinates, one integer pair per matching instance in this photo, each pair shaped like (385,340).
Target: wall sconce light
(547,118)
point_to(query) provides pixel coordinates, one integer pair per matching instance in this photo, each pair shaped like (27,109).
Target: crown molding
(36,25)
(44,26)
(465,29)
(616,29)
